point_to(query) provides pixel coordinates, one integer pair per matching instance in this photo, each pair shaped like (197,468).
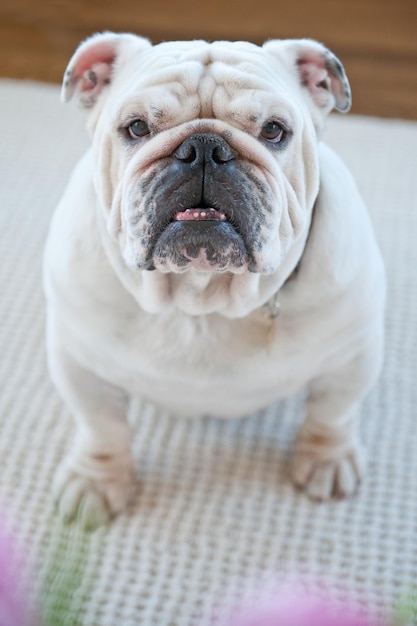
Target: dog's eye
(273,132)
(138,129)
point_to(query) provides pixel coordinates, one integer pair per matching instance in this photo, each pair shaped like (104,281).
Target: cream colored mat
(214,511)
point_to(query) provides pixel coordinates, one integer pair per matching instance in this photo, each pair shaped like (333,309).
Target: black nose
(204,148)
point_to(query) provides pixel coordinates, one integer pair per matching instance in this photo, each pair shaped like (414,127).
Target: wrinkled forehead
(197,78)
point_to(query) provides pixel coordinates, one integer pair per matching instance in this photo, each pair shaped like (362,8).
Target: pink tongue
(200,214)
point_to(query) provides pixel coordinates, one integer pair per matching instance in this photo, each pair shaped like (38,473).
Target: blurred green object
(406,609)
(64,584)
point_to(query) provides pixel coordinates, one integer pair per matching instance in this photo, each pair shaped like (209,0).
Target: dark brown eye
(273,132)
(138,129)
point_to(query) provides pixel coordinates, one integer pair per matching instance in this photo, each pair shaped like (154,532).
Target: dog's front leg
(94,481)
(328,459)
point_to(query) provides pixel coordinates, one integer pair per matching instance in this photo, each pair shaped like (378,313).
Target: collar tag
(272,308)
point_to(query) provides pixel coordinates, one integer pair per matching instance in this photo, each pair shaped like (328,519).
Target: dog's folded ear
(319,71)
(91,67)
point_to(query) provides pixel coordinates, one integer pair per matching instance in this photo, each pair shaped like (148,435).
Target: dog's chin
(203,245)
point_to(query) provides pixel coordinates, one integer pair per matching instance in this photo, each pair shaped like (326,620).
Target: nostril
(222,154)
(186,152)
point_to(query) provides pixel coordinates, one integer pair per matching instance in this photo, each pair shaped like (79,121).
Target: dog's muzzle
(206,208)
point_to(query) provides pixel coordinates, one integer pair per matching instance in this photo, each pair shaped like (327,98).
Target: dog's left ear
(319,71)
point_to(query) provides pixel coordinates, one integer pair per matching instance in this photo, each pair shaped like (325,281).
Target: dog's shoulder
(73,251)
(342,245)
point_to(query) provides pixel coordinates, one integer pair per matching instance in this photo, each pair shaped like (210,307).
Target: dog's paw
(91,490)
(323,478)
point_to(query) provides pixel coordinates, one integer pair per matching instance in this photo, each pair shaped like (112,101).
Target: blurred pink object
(299,609)
(13,611)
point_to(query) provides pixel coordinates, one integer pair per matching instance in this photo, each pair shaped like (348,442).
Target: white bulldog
(206,206)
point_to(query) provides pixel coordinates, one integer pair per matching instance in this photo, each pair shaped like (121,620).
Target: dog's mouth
(199,214)
(201,237)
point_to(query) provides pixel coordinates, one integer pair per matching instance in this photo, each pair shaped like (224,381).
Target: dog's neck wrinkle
(196,293)
(199,293)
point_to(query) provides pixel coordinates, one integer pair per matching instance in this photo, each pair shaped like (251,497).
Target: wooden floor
(375,39)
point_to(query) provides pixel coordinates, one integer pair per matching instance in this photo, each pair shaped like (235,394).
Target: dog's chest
(208,364)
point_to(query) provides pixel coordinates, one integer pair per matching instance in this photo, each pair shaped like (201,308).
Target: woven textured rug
(214,514)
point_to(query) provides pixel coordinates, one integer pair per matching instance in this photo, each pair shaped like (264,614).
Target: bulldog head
(206,153)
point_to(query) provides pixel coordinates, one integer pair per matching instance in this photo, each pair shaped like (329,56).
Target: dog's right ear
(90,69)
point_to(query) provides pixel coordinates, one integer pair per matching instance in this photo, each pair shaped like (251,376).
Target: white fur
(199,342)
